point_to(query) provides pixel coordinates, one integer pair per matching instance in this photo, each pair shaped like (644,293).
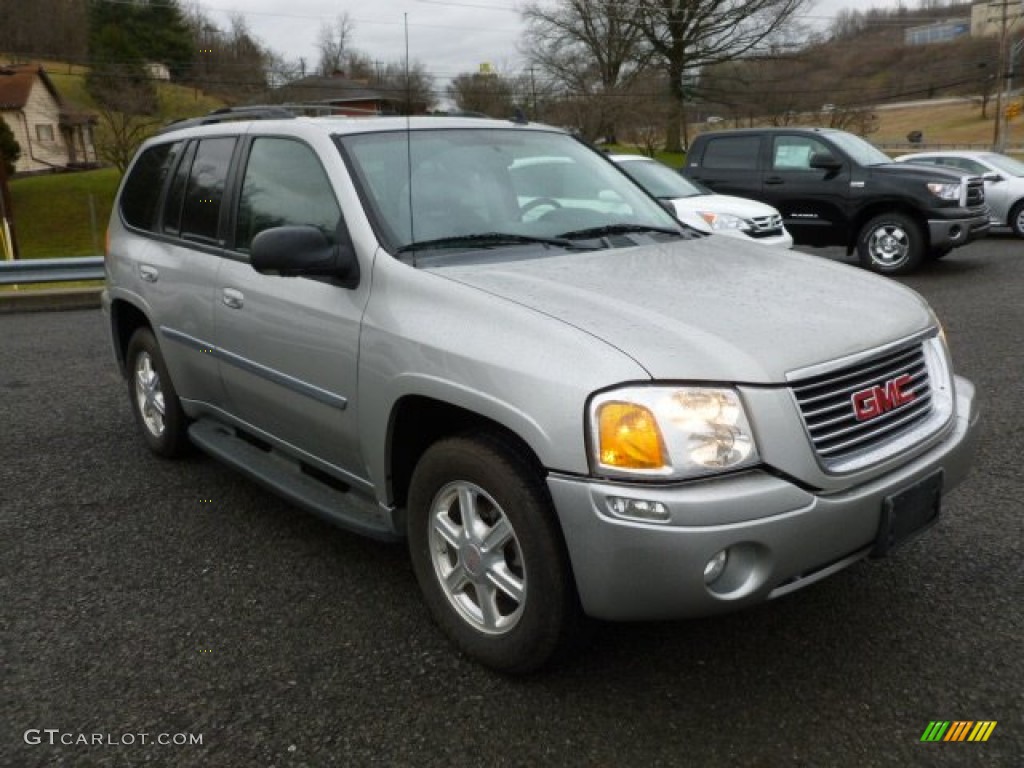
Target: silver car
(1003,176)
(481,338)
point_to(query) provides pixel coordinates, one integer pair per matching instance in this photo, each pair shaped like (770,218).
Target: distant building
(334,95)
(53,134)
(987,18)
(939,32)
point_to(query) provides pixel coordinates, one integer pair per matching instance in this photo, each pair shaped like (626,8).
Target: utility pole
(998,139)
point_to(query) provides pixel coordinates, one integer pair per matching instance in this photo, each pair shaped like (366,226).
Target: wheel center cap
(472,559)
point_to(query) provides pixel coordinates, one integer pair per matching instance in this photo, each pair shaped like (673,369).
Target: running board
(284,477)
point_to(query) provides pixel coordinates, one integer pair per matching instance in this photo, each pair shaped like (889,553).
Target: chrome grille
(827,403)
(975,192)
(766,226)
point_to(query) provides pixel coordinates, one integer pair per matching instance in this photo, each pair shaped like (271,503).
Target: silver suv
(483,338)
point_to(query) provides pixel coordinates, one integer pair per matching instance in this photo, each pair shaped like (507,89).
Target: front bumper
(630,570)
(944,234)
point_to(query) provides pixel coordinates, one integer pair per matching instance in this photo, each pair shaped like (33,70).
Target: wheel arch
(125,320)
(888,206)
(418,421)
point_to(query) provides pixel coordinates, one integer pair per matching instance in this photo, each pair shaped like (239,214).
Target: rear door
(812,201)
(730,164)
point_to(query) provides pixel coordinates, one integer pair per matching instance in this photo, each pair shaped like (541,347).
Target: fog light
(638,509)
(715,566)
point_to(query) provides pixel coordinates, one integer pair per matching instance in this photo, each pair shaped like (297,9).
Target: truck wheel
(155,404)
(891,244)
(1016,219)
(488,553)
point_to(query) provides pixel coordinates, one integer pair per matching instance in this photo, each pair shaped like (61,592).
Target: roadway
(141,596)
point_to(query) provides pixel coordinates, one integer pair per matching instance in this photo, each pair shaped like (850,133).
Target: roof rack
(229,114)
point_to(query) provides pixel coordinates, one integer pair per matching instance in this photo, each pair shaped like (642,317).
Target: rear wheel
(1016,220)
(155,403)
(488,553)
(891,244)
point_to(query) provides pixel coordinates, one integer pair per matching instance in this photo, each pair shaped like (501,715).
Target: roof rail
(230,114)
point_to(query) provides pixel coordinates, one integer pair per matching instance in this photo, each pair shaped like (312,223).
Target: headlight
(669,433)
(720,221)
(945,191)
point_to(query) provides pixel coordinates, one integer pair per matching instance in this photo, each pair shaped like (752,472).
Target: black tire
(891,244)
(154,401)
(1016,220)
(515,628)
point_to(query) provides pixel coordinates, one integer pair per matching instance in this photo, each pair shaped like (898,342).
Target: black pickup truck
(834,188)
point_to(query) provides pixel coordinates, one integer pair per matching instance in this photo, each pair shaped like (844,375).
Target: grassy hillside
(63,214)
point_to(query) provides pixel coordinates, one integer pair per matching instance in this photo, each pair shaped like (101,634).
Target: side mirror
(305,251)
(825,161)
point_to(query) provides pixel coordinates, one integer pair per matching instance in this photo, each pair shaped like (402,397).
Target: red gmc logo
(882,398)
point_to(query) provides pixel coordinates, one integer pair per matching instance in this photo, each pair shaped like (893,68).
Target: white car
(704,210)
(1004,181)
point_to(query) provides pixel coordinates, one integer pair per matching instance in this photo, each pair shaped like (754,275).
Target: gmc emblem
(882,398)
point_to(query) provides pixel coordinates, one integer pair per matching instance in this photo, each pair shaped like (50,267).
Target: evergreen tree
(10,150)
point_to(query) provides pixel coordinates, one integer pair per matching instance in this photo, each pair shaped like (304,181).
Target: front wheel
(891,244)
(488,553)
(155,403)
(1017,219)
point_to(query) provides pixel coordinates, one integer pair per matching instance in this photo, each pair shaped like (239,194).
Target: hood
(710,309)
(737,206)
(923,172)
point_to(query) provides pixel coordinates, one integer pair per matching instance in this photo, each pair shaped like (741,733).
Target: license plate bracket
(908,513)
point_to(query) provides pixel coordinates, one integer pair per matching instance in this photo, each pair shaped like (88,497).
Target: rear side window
(200,213)
(732,152)
(284,184)
(140,197)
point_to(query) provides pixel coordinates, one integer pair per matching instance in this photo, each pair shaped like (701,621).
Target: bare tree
(592,49)
(333,43)
(688,36)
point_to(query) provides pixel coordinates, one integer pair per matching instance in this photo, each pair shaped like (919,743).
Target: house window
(44,132)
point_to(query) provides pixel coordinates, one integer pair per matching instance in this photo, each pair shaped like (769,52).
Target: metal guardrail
(25,271)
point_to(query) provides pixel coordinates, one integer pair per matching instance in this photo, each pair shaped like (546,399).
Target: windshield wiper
(487,240)
(615,229)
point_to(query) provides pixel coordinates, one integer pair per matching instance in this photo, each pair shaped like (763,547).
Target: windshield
(1006,164)
(859,150)
(486,181)
(659,180)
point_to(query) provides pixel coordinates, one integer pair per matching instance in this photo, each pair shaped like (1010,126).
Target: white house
(52,134)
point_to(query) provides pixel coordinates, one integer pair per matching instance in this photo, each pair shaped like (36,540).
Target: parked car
(1003,176)
(836,189)
(481,337)
(702,209)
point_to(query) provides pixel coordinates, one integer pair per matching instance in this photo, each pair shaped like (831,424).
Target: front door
(288,346)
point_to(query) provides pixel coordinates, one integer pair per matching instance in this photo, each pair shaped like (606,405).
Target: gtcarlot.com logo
(56,737)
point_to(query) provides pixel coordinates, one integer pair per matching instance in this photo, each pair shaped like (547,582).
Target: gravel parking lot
(146,601)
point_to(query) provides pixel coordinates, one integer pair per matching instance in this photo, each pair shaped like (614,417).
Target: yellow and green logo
(958,730)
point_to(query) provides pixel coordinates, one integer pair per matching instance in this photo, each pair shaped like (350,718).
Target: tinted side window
(141,194)
(176,192)
(733,152)
(205,189)
(793,153)
(284,184)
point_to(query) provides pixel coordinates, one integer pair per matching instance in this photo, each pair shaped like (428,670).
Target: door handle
(148,273)
(774,180)
(232,298)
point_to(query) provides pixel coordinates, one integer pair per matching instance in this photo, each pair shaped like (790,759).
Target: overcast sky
(446,36)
